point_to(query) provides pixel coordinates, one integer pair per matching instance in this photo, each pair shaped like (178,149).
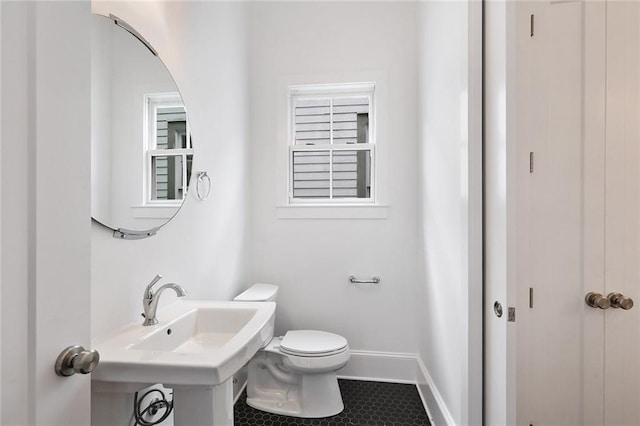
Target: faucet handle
(147,291)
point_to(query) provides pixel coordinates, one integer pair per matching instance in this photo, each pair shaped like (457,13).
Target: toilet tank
(258,293)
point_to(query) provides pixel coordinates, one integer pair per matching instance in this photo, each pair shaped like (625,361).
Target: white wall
(310,259)
(205,247)
(1,86)
(233,62)
(451,207)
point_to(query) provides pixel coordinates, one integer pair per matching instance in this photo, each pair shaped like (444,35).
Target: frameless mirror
(140,138)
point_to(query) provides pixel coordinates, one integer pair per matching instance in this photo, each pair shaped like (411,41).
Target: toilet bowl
(295,374)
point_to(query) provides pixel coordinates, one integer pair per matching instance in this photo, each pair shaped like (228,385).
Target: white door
(551,339)
(45,220)
(621,345)
(563,160)
(578,132)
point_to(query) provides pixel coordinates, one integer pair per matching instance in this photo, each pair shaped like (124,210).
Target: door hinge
(511,314)
(531,162)
(531,297)
(531,25)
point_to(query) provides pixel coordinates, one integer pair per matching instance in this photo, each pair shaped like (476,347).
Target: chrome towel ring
(203,180)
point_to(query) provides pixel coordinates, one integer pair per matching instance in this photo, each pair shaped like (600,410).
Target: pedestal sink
(195,349)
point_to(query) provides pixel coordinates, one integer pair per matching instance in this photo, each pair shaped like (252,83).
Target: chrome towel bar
(374,280)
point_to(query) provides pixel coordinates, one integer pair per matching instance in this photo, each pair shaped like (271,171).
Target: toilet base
(314,396)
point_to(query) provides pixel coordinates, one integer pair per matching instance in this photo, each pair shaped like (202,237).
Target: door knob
(620,301)
(76,359)
(597,300)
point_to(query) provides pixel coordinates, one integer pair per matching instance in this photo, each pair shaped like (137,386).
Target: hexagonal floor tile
(365,404)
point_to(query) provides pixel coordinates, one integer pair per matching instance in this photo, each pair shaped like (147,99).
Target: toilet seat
(312,343)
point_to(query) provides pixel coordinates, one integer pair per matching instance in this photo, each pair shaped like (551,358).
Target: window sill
(154,211)
(347,211)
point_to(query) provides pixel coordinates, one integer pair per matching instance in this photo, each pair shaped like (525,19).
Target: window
(169,152)
(332,144)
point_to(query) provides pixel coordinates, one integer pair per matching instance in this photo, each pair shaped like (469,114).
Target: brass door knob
(619,300)
(597,300)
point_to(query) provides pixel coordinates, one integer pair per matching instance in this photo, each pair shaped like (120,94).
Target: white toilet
(295,374)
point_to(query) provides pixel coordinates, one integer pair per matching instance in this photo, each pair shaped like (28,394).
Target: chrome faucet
(150,299)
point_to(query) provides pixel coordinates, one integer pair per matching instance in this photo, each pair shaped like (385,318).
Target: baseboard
(399,368)
(380,367)
(436,408)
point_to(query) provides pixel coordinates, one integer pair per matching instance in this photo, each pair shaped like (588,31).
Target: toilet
(295,374)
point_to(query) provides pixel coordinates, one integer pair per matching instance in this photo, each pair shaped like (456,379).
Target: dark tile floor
(365,404)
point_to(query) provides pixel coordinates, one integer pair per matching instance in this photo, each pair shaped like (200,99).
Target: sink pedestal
(112,404)
(202,405)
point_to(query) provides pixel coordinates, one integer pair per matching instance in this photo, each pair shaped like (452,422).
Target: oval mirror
(141,151)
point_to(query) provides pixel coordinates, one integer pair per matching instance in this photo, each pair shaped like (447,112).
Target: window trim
(152,102)
(333,211)
(332,91)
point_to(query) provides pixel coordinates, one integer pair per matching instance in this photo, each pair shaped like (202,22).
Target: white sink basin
(194,343)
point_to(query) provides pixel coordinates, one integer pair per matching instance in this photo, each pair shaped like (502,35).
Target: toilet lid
(312,342)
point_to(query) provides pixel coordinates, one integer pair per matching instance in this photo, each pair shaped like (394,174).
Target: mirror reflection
(142,152)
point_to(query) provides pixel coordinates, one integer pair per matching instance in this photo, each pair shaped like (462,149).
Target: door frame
(473,221)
